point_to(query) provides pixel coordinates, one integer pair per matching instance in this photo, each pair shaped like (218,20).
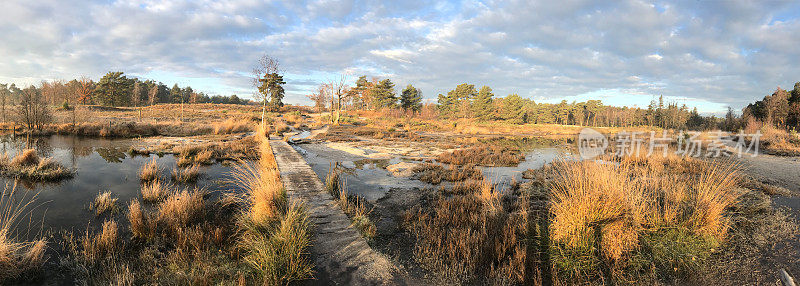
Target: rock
(402,169)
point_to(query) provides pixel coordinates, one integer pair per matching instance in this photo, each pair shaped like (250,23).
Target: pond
(101,165)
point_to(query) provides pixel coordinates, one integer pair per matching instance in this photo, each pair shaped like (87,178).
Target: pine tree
(385,95)
(482,106)
(513,109)
(411,99)
(114,89)
(272,87)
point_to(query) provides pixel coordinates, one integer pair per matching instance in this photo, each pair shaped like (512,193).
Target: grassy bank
(29,166)
(631,220)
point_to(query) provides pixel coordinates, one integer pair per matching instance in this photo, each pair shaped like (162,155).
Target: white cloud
(723,52)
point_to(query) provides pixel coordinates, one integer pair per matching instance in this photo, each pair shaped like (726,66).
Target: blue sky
(709,54)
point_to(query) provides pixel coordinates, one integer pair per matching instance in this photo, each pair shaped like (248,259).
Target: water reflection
(100,165)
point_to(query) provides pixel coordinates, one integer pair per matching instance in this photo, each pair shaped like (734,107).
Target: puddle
(101,165)
(534,159)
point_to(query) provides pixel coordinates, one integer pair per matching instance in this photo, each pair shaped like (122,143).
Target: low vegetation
(186,175)
(352,205)
(103,202)
(275,235)
(154,191)
(149,171)
(491,156)
(27,165)
(435,173)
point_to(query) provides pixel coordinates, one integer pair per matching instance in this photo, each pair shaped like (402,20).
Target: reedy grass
(149,171)
(154,191)
(186,175)
(103,202)
(28,165)
(603,213)
(353,206)
(275,235)
(17,257)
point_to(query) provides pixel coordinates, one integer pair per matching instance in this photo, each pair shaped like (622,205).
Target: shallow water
(368,177)
(101,165)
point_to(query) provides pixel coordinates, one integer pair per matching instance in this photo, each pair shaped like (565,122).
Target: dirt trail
(774,170)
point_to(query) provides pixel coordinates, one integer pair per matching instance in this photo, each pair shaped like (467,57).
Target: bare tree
(319,98)
(266,65)
(152,95)
(33,111)
(340,91)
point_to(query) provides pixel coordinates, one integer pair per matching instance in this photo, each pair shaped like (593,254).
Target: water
(100,165)
(369,178)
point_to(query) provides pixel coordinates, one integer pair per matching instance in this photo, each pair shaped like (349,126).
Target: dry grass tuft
(154,191)
(181,209)
(471,238)
(353,206)
(101,245)
(28,157)
(103,202)
(186,175)
(603,211)
(139,224)
(149,171)
(231,126)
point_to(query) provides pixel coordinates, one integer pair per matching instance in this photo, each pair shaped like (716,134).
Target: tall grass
(602,212)
(28,165)
(275,235)
(103,202)
(17,257)
(149,171)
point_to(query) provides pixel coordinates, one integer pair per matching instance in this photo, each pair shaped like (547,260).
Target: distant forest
(113,89)
(465,101)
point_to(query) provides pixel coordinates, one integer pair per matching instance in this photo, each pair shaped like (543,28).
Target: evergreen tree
(272,87)
(411,98)
(176,94)
(444,105)
(460,97)
(385,95)
(482,106)
(513,109)
(114,89)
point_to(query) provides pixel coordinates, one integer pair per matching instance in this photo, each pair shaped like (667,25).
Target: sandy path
(774,170)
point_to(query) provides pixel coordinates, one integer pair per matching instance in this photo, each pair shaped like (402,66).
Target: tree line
(113,89)
(781,109)
(466,101)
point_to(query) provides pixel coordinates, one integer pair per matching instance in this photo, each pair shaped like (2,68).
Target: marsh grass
(149,171)
(103,202)
(17,258)
(231,126)
(627,213)
(28,165)
(154,191)
(186,175)
(275,235)
(435,173)
(469,236)
(181,208)
(489,155)
(352,205)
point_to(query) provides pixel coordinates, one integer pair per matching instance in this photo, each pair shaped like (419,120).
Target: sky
(708,54)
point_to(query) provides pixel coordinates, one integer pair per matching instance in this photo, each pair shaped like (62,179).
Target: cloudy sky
(710,54)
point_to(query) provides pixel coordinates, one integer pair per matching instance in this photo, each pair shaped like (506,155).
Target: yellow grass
(149,171)
(186,175)
(230,126)
(154,191)
(181,209)
(620,200)
(103,202)
(138,223)
(26,158)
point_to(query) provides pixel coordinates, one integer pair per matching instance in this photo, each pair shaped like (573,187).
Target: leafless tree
(33,111)
(339,92)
